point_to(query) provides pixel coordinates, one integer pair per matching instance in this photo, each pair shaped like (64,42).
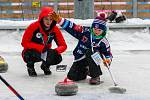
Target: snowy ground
(130,67)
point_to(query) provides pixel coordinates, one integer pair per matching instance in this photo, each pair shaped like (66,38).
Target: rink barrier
(111,26)
(25,9)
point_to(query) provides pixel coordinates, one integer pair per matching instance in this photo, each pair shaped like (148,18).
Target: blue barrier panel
(148,10)
(44,3)
(143,2)
(26,4)
(5,4)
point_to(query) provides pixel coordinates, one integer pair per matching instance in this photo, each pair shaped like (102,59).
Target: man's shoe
(46,69)
(31,72)
(94,81)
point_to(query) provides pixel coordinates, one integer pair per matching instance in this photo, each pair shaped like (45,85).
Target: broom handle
(108,67)
(11,88)
(115,84)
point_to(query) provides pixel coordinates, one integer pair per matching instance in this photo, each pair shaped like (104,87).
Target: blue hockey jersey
(86,40)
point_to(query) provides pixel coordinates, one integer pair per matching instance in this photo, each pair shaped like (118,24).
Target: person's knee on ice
(78,71)
(73,73)
(76,75)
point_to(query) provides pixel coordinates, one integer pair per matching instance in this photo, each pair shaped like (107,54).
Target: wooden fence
(29,9)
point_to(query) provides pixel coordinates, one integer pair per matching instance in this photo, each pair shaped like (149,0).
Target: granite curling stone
(3,65)
(66,88)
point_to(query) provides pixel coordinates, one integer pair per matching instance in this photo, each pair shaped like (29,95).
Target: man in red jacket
(37,42)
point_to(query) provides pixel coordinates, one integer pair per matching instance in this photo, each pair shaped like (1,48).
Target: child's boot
(95,81)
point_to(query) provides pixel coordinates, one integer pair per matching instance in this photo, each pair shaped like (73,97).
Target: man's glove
(55,16)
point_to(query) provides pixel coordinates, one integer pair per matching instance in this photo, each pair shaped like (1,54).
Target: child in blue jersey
(90,40)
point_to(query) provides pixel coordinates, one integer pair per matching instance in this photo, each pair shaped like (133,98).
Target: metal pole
(56,5)
(83,9)
(135,8)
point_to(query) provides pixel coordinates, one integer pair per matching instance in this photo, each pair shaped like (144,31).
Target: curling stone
(3,65)
(66,88)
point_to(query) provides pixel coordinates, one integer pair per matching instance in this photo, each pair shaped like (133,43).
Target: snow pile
(119,39)
(129,40)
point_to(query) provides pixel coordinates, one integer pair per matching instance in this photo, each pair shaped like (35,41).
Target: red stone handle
(65,80)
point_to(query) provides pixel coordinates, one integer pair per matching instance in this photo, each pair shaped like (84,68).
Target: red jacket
(35,37)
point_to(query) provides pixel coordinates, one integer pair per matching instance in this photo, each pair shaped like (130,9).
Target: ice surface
(130,67)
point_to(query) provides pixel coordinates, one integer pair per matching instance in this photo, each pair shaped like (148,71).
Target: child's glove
(55,16)
(107,61)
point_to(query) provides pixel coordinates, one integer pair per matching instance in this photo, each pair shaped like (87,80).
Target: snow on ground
(130,67)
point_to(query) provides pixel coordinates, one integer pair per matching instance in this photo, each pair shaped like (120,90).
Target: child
(90,40)
(37,42)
